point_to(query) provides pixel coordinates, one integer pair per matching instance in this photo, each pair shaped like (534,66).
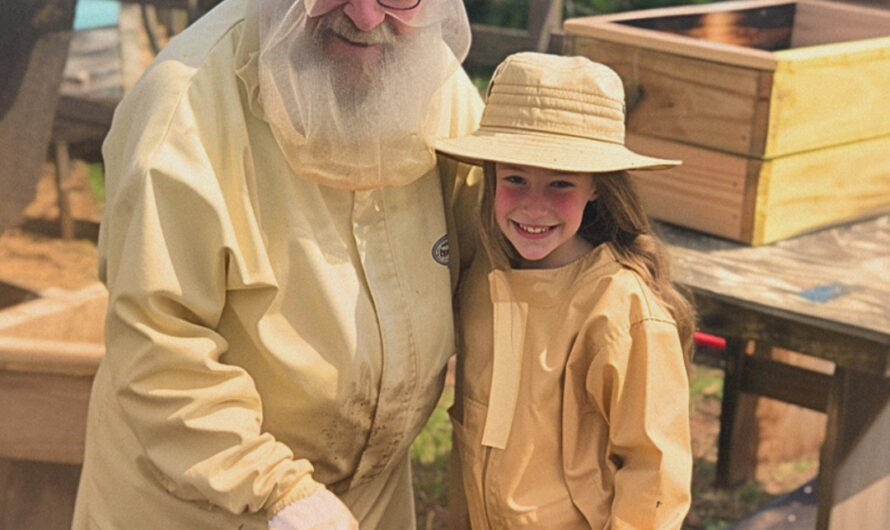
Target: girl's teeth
(533,229)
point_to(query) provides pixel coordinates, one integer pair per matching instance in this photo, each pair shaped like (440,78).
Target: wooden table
(825,295)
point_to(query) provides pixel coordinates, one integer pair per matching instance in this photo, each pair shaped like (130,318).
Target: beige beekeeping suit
(267,335)
(573,403)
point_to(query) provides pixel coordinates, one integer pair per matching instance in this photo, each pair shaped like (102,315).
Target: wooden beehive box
(779,109)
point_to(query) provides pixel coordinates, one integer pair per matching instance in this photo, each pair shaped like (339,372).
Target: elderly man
(275,251)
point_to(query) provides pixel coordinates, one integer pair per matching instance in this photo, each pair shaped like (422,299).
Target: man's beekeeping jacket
(265,334)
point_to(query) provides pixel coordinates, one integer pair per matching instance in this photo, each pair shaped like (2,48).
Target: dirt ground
(34,257)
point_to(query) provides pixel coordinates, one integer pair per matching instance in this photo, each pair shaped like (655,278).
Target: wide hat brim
(557,152)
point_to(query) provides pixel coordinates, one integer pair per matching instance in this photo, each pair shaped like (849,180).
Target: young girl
(572,395)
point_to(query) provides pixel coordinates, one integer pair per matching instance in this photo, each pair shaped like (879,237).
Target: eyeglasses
(399,5)
(317,7)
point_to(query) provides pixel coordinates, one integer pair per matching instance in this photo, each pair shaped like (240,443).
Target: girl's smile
(539,211)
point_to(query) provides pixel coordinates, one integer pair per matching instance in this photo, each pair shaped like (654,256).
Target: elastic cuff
(304,487)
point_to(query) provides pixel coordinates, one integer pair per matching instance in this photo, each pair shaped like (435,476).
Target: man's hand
(320,511)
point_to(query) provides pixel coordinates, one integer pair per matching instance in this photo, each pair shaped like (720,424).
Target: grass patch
(705,383)
(716,508)
(430,461)
(96,178)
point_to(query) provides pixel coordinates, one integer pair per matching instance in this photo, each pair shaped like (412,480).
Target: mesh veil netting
(356,120)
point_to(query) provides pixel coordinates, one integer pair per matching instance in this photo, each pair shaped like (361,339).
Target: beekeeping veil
(362,120)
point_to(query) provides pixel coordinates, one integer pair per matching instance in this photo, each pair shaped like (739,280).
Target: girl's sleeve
(639,383)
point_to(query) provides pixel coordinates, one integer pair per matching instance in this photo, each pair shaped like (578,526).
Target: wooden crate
(779,110)
(50,348)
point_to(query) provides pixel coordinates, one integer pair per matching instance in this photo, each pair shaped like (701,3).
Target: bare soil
(34,257)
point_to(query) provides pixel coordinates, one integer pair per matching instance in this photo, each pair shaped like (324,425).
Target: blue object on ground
(89,14)
(793,511)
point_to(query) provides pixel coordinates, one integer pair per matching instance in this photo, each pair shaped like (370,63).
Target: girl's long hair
(616,217)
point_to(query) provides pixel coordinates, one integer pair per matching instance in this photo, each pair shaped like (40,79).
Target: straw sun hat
(555,112)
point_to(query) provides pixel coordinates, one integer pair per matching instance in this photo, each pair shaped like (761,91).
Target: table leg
(63,189)
(854,471)
(736,451)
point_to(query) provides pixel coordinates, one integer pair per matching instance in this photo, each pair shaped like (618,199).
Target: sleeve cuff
(304,487)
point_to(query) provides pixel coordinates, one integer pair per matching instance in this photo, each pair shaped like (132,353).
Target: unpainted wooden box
(50,348)
(779,109)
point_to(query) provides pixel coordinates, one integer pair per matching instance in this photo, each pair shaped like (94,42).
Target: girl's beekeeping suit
(572,410)
(278,319)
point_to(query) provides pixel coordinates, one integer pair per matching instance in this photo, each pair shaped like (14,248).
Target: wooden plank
(63,169)
(825,187)
(848,347)
(706,192)
(93,69)
(766,29)
(49,356)
(828,96)
(49,317)
(43,416)
(687,100)
(758,202)
(81,119)
(831,22)
(785,382)
(834,279)
(752,208)
(761,203)
(829,460)
(608,28)
(862,480)
(801,108)
(854,469)
(760,121)
(815,22)
(757,430)
(690,9)
(736,450)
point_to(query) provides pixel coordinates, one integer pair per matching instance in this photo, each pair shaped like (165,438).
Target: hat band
(550,111)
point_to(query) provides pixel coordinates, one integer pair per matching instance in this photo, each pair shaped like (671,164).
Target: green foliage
(430,460)
(96,177)
(577,8)
(503,13)
(514,13)
(706,383)
(434,441)
(480,75)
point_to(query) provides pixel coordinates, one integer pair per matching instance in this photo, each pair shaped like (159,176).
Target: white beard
(353,123)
